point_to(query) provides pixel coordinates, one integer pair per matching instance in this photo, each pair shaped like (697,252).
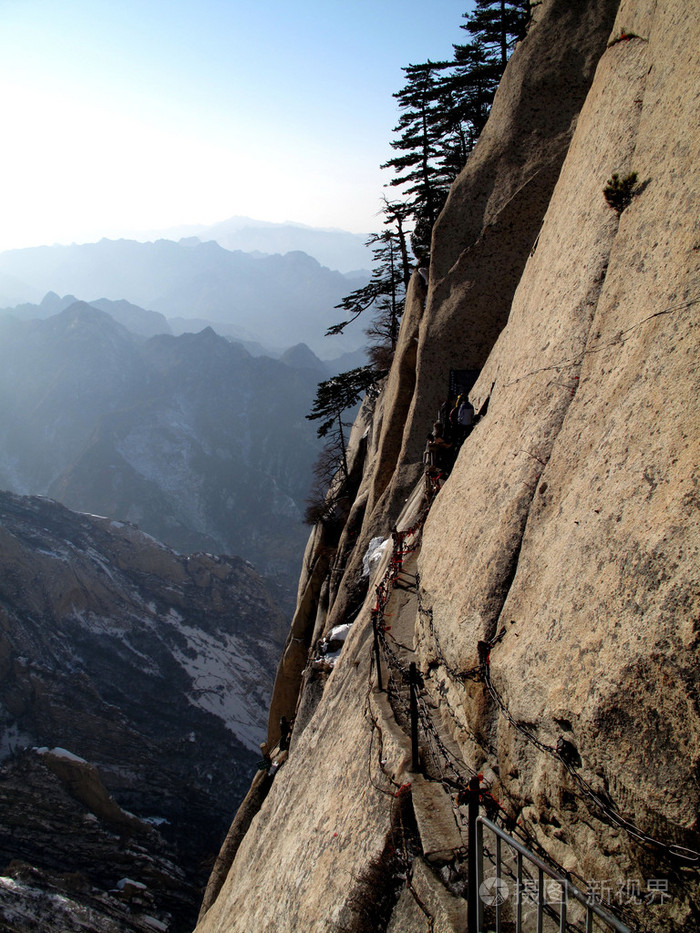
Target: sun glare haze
(128,118)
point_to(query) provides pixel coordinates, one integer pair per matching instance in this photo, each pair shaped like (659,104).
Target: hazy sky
(135,115)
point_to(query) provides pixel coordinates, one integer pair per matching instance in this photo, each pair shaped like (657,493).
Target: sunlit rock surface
(559,561)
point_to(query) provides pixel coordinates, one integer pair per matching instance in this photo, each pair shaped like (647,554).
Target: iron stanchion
(413,682)
(473,894)
(377,652)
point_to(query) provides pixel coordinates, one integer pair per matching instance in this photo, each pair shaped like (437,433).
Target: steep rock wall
(493,214)
(481,244)
(559,562)
(570,521)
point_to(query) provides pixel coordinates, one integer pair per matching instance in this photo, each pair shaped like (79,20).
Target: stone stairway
(433,899)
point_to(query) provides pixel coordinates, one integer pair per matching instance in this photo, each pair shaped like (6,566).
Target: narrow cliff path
(439,779)
(435,896)
(440,756)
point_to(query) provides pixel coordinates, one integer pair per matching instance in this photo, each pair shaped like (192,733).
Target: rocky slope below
(73,860)
(547,591)
(150,671)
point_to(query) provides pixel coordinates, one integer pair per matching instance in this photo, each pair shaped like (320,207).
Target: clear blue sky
(121,116)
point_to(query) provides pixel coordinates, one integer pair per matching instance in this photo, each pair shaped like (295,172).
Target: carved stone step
(428,902)
(439,833)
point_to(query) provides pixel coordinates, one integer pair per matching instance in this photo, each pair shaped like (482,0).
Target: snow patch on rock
(374,553)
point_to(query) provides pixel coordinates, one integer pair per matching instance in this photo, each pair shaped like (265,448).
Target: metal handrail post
(563,905)
(479,875)
(473,856)
(568,889)
(377,652)
(413,688)
(498,876)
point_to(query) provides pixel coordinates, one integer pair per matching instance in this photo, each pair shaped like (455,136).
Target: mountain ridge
(291,296)
(189,437)
(332,247)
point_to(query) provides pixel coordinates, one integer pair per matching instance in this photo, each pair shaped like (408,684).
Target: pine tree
(498,24)
(466,87)
(467,91)
(383,331)
(333,398)
(444,107)
(331,474)
(321,503)
(385,291)
(420,141)
(396,213)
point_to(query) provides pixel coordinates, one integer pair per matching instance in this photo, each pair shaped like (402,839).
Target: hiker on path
(465,419)
(285,733)
(439,448)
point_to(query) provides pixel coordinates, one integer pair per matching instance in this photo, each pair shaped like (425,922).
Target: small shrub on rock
(619,192)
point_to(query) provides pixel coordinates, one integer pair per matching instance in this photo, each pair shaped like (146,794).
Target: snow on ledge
(373,554)
(340,632)
(60,753)
(155,924)
(129,882)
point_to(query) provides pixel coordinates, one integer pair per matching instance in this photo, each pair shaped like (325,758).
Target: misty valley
(155,473)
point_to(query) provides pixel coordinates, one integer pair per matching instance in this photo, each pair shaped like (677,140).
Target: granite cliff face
(548,591)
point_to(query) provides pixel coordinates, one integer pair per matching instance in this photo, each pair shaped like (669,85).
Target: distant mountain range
(276,301)
(337,249)
(196,441)
(138,320)
(134,674)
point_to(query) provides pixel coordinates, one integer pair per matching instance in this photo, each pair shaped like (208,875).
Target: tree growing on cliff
(468,84)
(467,90)
(333,398)
(618,192)
(445,106)
(383,294)
(323,498)
(396,214)
(498,24)
(419,143)
(383,330)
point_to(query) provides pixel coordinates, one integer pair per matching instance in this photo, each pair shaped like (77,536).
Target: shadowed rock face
(559,562)
(66,846)
(154,667)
